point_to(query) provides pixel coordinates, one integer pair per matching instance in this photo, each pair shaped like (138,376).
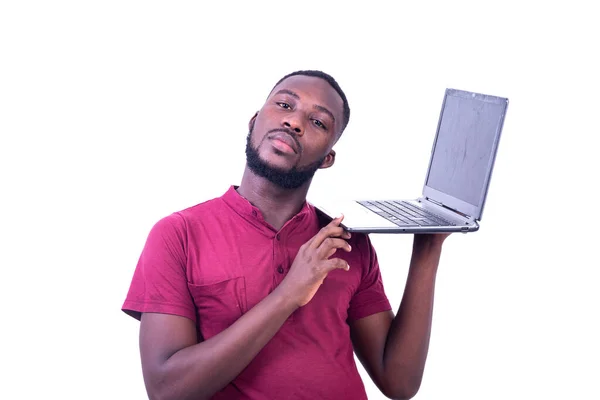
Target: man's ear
(252,121)
(329,160)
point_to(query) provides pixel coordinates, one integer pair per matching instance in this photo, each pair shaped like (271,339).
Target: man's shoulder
(183,219)
(210,208)
(205,207)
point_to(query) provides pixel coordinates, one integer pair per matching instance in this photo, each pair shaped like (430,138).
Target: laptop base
(358,217)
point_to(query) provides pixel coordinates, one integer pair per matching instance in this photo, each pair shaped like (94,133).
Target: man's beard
(292,179)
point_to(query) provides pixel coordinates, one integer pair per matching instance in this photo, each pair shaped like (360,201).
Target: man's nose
(293,123)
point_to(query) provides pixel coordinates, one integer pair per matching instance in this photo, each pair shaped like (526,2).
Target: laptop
(457,180)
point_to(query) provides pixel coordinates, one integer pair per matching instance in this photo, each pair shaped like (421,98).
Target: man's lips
(286,139)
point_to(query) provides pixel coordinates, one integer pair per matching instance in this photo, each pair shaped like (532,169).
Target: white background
(114,114)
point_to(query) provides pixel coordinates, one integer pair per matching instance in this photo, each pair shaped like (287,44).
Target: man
(253,296)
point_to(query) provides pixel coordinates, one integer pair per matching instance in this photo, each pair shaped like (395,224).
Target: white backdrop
(114,114)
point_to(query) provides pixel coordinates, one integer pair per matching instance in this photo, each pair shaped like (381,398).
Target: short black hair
(332,82)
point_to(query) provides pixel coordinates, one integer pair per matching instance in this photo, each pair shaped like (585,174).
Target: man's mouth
(284,142)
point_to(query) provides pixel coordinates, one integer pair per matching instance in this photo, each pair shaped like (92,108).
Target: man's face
(292,135)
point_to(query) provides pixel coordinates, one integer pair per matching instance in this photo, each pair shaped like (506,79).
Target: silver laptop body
(458,177)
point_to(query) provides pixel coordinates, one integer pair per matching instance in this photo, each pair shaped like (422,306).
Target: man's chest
(229,276)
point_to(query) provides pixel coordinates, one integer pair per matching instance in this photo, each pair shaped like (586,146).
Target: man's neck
(277,205)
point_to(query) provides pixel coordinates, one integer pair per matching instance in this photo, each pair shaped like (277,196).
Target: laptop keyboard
(404,213)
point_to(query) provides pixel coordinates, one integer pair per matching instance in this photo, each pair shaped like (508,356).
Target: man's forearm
(201,370)
(408,339)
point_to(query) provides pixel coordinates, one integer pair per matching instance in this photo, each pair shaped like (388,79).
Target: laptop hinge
(437,203)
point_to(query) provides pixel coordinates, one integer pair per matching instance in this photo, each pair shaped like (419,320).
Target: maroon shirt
(213,262)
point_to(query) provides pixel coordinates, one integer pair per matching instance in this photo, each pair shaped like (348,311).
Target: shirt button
(278,237)
(280,269)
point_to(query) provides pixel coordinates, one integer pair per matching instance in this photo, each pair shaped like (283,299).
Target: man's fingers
(330,246)
(336,263)
(333,229)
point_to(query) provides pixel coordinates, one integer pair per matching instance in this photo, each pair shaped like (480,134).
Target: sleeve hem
(136,309)
(369,309)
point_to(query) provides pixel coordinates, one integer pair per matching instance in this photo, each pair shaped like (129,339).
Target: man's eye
(319,124)
(284,105)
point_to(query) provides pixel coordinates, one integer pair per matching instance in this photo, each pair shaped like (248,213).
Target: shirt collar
(252,214)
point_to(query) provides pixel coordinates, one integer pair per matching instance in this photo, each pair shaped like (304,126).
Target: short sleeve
(370,296)
(159,283)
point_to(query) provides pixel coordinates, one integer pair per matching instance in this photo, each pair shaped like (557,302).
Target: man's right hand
(312,263)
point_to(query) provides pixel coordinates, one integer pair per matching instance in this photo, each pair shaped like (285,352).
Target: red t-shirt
(213,262)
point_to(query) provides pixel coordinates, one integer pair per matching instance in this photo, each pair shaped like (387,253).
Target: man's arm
(394,350)
(176,366)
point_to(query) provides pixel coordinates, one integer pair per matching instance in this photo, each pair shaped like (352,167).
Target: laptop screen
(465,146)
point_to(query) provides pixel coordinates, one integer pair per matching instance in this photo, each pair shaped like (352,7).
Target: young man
(252,296)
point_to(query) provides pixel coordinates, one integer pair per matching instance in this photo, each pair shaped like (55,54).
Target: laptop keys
(404,213)
(385,213)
